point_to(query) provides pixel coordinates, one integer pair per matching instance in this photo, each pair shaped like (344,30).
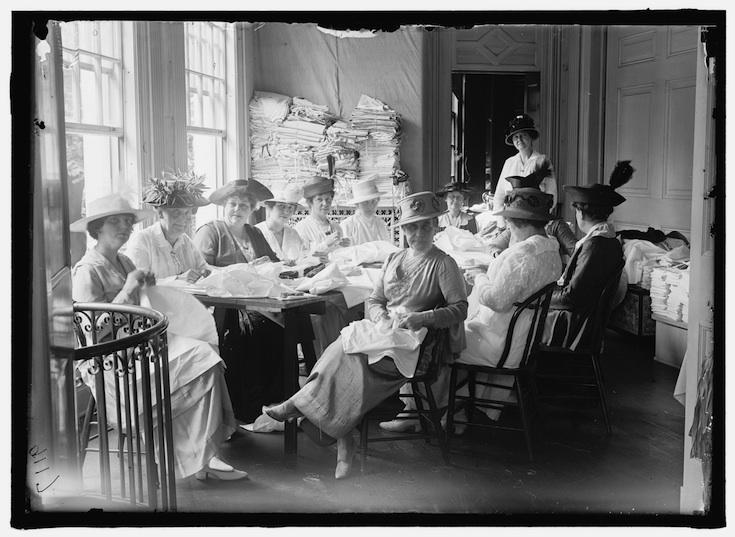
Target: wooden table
(286,313)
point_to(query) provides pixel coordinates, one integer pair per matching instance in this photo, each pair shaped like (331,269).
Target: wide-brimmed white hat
(365,190)
(107,206)
(291,193)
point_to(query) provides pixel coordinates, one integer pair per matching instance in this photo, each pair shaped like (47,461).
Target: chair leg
(418,400)
(364,424)
(520,387)
(601,392)
(450,408)
(436,420)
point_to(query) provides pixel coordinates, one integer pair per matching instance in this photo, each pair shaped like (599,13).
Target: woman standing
(420,286)
(521,134)
(200,400)
(165,247)
(365,226)
(319,234)
(456,196)
(247,340)
(282,238)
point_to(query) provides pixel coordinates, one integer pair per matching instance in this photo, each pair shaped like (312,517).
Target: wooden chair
(522,387)
(573,377)
(436,343)
(125,349)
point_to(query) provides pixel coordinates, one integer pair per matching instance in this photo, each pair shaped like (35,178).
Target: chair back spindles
(536,306)
(123,354)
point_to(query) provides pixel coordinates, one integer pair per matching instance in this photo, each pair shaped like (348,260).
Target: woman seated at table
(247,339)
(282,238)
(320,235)
(595,257)
(365,225)
(518,272)
(165,247)
(456,196)
(200,402)
(557,228)
(420,286)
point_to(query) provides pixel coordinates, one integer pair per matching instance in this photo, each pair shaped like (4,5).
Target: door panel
(650,121)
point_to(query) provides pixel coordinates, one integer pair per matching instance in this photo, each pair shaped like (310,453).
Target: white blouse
(292,247)
(514,166)
(360,229)
(315,237)
(149,249)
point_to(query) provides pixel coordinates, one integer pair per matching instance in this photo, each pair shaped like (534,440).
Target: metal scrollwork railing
(122,355)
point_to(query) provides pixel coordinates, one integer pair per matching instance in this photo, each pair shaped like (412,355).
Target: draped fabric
(200,403)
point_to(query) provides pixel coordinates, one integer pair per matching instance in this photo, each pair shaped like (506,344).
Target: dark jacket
(218,245)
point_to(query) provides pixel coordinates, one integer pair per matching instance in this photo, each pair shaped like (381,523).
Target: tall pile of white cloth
(267,111)
(670,292)
(303,130)
(380,152)
(294,140)
(342,144)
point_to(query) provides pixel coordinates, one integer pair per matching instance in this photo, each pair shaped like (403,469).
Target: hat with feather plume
(178,190)
(604,195)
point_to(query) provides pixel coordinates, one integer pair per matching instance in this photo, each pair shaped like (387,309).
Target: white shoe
(400,426)
(232,475)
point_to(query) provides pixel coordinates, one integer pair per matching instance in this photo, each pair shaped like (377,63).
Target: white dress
(514,166)
(315,236)
(513,276)
(361,229)
(200,403)
(149,250)
(292,247)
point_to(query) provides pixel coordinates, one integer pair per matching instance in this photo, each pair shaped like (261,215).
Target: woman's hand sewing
(137,279)
(190,276)
(413,321)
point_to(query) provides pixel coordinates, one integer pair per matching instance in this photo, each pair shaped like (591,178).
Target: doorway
(482,106)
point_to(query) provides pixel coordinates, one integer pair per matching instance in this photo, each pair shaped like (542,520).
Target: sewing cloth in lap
(378,340)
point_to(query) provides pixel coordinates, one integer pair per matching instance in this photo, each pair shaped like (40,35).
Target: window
(207,105)
(93,105)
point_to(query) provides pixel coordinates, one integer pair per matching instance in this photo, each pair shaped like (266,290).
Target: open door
(483,105)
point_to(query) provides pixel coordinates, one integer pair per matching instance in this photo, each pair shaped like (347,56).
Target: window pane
(88,91)
(207,104)
(205,158)
(195,113)
(72,112)
(111,94)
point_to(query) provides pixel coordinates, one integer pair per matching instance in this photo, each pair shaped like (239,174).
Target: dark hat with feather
(604,195)
(526,200)
(176,190)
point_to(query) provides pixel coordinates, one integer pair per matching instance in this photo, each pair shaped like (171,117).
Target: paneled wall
(650,121)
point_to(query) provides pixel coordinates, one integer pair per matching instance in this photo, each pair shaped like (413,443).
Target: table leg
(291,373)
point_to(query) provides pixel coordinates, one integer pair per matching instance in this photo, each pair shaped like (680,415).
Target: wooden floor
(578,469)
